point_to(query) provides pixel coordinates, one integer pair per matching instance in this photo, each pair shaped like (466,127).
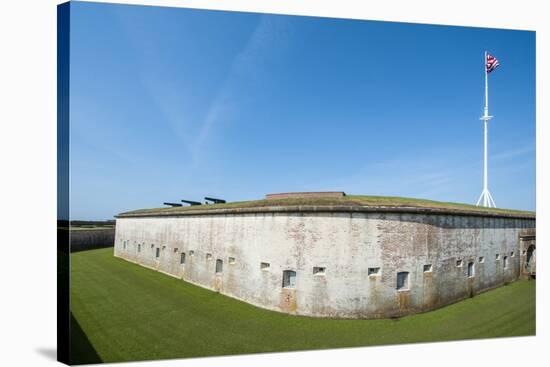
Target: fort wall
(332,263)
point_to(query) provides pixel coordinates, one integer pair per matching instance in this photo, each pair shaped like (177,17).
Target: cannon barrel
(191,202)
(215,201)
(172,204)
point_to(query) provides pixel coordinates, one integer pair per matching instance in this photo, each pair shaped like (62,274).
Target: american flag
(491,63)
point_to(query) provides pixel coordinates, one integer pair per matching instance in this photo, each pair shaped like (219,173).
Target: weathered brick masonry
(332,261)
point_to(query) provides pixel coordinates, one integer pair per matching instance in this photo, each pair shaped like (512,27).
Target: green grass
(349,201)
(126,312)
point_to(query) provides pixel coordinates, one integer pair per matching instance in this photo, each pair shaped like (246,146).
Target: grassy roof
(351,201)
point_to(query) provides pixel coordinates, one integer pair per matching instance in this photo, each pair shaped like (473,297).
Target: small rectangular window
(208,256)
(157,252)
(512,254)
(497,257)
(219,266)
(471,269)
(175,249)
(182,258)
(152,245)
(289,279)
(163,247)
(524,252)
(264,266)
(403,280)
(505,262)
(481,259)
(191,253)
(459,263)
(124,245)
(373,271)
(231,260)
(139,247)
(428,268)
(318,270)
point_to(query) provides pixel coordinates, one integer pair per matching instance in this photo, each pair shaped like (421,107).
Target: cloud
(406,176)
(514,153)
(440,174)
(270,34)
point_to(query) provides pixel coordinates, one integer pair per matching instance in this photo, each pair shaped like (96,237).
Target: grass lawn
(123,312)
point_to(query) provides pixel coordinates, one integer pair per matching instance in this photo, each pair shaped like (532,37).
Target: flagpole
(485,138)
(486,196)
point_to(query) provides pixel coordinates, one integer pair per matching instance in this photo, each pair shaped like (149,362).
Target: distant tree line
(78,235)
(80,223)
(87,240)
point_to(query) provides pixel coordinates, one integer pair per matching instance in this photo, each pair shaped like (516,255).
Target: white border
(27,151)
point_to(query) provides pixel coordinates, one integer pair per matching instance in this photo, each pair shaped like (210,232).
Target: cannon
(191,202)
(172,204)
(215,201)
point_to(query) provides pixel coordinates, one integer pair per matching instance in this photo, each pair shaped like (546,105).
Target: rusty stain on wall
(288,300)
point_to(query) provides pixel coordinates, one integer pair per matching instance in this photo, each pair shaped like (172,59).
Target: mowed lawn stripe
(132,313)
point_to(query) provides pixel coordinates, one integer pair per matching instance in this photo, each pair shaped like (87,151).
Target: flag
(491,63)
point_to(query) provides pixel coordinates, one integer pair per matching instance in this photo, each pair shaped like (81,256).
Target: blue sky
(171,103)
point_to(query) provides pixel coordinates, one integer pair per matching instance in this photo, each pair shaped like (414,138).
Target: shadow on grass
(82,351)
